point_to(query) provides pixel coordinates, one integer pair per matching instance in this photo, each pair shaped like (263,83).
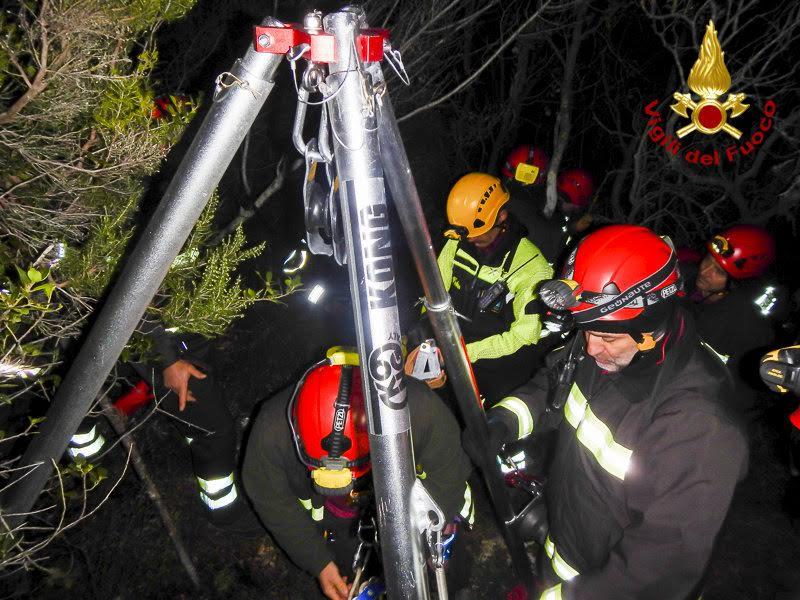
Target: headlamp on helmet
(743,251)
(613,279)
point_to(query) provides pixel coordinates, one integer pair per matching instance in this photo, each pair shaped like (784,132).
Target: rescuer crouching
(186,388)
(647,454)
(307,472)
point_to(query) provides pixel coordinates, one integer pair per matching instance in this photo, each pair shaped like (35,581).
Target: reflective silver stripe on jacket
(723,357)
(210,491)
(522,412)
(595,435)
(468,510)
(553,593)
(316,513)
(86,444)
(562,568)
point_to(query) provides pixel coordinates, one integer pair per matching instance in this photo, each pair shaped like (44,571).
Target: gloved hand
(498,436)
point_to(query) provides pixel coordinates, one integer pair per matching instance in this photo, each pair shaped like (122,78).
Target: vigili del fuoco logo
(709,79)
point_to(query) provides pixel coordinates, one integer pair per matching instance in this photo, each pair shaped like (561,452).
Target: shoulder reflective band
(468,510)
(553,593)
(723,357)
(638,291)
(560,566)
(522,412)
(595,435)
(295,262)
(316,513)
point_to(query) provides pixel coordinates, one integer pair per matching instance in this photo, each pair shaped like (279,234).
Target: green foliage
(207,305)
(127,114)
(89,474)
(145,12)
(24,300)
(88,269)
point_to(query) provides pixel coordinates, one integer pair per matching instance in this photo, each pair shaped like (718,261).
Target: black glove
(780,369)
(498,435)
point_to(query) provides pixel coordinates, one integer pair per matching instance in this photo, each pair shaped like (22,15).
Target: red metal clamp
(279,40)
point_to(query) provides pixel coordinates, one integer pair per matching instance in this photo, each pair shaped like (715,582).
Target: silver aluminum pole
(372,285)
(239,97)
(443,320)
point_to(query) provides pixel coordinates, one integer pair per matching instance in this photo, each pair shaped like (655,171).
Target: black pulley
(317,211)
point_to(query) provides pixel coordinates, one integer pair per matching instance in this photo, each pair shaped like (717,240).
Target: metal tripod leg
(372,285)
(443,320)
(239,96)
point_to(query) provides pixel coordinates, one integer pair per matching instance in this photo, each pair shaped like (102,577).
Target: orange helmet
(473,205)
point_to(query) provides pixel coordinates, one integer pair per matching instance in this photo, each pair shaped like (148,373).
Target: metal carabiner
(395,61)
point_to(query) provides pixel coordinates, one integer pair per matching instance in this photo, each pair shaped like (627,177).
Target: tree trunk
(118,423)
(513,105)
(563,120)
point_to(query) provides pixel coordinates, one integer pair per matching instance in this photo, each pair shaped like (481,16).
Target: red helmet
(575,186)
(743,250)
(329,426)
(615,276)
(526,155)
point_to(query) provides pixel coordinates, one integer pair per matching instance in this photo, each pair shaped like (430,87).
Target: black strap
(641,289)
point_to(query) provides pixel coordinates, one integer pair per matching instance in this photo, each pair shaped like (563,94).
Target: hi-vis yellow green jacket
(513,321)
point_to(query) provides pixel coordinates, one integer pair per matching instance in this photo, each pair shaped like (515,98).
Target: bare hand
(333,585)
(176,378)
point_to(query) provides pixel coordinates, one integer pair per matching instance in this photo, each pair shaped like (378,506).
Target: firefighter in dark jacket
(491,271)
(524,175)
(302,504)
(734,304)
(648,454)
(185,386)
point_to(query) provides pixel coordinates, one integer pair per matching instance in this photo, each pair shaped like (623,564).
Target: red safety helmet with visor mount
(328,423)
(617,280)
(743,250)
(526,164)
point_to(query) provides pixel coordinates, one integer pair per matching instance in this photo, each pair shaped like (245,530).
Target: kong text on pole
(377,251)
